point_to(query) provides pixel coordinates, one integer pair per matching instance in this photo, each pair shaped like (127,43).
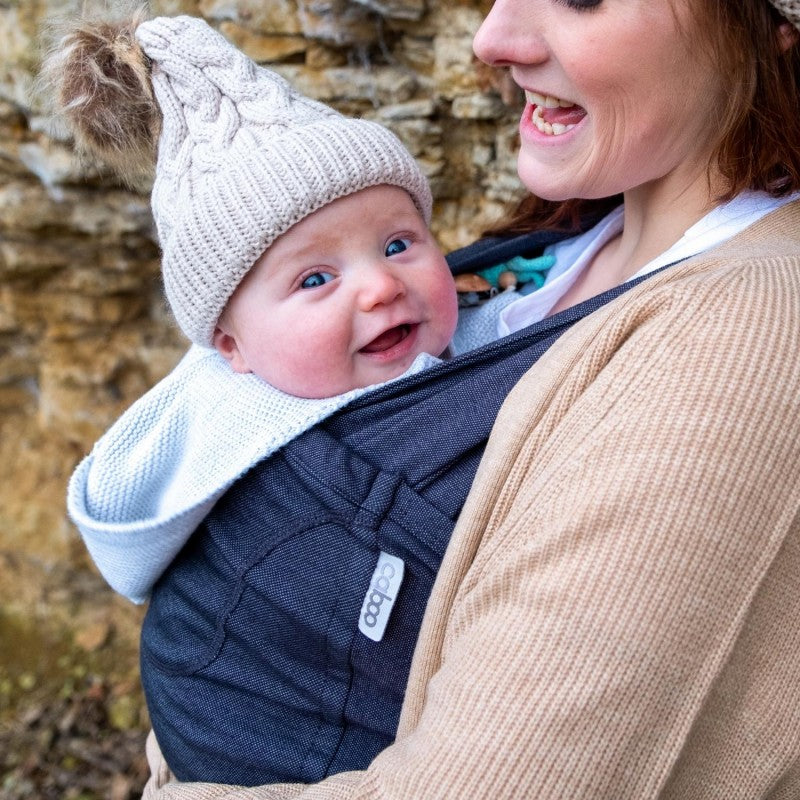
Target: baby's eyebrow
(297,257)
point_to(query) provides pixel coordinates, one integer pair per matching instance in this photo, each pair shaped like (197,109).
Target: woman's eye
(316,279)
(397,246)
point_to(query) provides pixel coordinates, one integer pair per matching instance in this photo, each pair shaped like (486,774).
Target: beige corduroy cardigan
(618,614)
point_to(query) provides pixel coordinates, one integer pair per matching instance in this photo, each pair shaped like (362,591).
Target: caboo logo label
(380,597)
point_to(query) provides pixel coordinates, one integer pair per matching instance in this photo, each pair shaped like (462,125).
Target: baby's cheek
(322,366)
(448,309)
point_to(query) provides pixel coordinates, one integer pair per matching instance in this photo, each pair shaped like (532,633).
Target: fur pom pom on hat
(242,156)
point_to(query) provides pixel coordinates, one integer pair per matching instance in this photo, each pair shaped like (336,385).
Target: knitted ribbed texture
(478,324)
(156,473)
(790,9)
(242,157)
(618,614)
(153,477)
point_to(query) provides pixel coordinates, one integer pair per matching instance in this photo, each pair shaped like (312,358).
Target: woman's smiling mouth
(553,116)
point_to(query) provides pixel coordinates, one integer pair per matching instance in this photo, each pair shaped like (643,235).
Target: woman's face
(619,93)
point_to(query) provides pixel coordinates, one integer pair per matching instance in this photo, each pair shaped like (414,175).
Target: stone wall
(83,327)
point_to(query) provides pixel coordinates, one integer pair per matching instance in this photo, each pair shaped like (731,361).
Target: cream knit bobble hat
(242,157)
(790,9)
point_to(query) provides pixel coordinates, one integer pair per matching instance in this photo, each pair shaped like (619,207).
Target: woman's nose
(379,286)
(509,35)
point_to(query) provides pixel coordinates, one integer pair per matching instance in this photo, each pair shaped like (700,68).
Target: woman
(618,613)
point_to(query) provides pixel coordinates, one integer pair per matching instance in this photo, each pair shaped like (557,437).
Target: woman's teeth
(550,128)
(540,102)
(546,101)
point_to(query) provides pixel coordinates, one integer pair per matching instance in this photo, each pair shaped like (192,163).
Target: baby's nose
(379,286)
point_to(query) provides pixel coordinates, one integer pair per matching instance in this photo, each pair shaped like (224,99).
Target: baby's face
(347,297)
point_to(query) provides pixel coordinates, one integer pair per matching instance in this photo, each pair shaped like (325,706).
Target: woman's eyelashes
(316,279)
(397,246)
(580,5)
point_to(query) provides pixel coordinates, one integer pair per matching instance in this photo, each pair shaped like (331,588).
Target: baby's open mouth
(552,115)
(387,339)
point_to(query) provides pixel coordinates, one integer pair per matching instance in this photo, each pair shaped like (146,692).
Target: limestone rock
(263,48)
(276,16)
(336,85)
(396,9)
(340,22)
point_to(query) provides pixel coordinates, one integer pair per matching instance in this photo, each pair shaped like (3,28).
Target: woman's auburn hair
(758,142)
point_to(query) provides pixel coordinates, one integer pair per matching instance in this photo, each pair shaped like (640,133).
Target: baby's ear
(227,346)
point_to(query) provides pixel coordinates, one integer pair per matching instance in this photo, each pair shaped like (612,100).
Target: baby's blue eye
(397,246)
(316,279)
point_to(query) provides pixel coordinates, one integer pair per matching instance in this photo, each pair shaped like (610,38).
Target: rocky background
(84,330)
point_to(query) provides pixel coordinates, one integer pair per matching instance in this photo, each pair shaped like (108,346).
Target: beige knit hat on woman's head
(242,156)
(790,9)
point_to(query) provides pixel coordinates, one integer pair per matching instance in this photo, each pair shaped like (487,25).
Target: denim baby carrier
(263,655)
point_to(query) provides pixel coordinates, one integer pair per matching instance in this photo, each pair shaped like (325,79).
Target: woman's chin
(560,183)
(533,178)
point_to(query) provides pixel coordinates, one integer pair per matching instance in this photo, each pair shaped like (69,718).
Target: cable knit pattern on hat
(243,157)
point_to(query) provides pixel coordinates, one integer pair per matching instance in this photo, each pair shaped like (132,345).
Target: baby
(348,297)
(297,258)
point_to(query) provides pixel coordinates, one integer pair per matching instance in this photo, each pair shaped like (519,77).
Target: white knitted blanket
(156,473)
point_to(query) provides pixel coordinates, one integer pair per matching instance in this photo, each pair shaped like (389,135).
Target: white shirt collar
(575,254)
